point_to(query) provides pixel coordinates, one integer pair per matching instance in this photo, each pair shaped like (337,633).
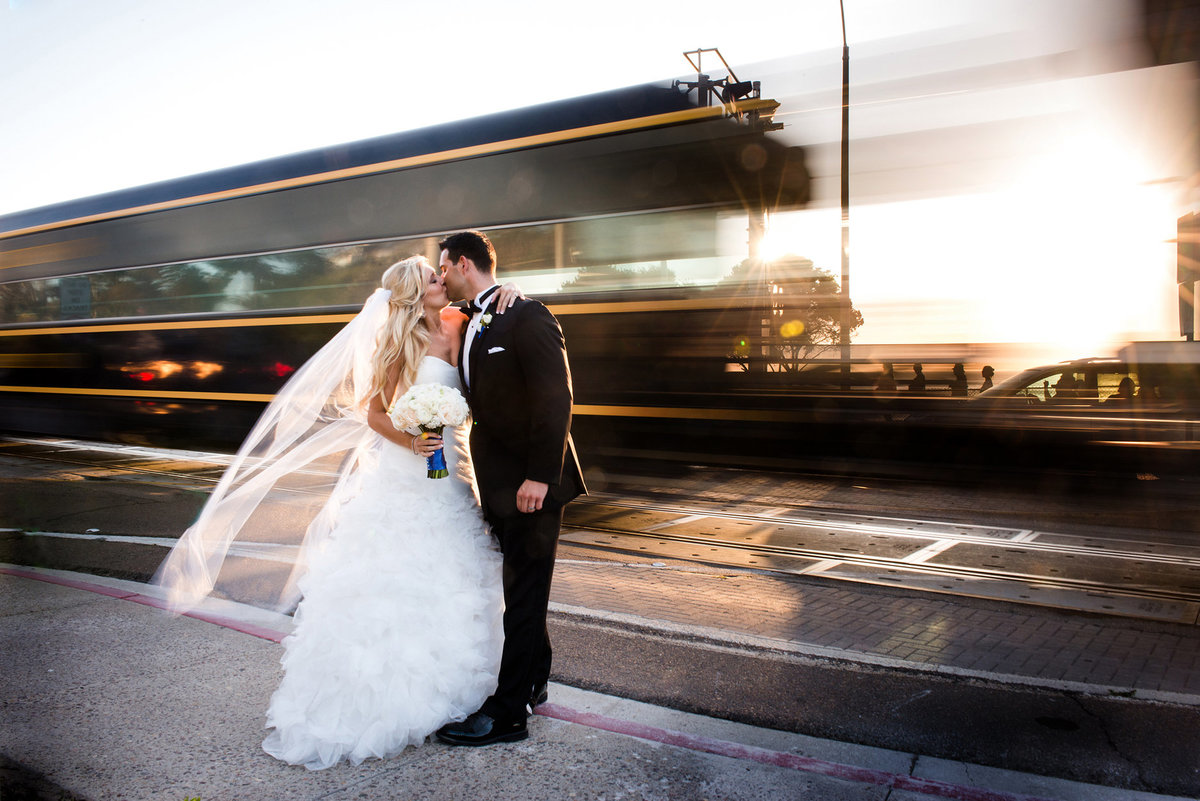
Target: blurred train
(169,314)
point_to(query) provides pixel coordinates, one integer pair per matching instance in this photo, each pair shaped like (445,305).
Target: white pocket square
(495,350)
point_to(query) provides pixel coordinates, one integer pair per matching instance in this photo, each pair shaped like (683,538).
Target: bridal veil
(271,507)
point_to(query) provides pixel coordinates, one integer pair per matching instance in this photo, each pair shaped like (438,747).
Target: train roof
(645,102)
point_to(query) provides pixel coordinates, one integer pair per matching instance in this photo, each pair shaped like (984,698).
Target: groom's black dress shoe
(540,695)
(481,729)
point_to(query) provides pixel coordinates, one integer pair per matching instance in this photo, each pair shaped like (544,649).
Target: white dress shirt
(473,329)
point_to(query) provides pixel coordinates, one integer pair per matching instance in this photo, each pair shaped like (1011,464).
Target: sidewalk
(108,697)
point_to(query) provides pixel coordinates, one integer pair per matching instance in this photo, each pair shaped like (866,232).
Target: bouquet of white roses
(430,407)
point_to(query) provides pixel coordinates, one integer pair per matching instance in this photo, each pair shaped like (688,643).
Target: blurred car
(1138,412)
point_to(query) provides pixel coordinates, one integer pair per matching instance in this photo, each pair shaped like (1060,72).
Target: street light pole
(845,324)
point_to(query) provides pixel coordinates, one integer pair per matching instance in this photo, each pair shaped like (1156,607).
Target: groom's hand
(530,496)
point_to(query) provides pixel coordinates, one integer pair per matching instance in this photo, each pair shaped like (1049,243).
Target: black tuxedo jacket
(520,397)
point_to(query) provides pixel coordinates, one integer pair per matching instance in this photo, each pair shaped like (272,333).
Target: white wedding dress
(399,630)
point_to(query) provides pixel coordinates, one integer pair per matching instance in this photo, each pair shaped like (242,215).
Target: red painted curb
(229,623)
(708,745)
(99,589)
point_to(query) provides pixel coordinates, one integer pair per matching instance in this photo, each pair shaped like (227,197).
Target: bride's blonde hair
(405,336)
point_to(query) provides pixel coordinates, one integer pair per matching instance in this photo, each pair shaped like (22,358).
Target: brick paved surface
(921,631)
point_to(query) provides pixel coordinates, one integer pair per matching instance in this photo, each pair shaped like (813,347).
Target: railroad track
(1160,581)
(1137,577)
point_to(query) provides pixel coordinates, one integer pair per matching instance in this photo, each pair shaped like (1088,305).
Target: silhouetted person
(1064,389)
(987,373)
(1124,393)
(958,387)
(917,384)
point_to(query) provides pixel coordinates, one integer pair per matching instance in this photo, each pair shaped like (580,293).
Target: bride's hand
(426,444)
(507,296)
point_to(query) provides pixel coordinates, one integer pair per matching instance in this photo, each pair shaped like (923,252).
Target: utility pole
(845,326)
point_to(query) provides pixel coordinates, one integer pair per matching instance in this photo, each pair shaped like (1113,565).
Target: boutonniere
(485,320)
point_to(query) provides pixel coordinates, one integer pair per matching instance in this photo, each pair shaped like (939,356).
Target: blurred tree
(797,313)
(25,302)
(185,287)
(600,277)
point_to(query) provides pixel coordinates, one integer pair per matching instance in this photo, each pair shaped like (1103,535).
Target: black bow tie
(472,308)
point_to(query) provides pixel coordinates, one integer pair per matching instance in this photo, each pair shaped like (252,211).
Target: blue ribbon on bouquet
(435,463)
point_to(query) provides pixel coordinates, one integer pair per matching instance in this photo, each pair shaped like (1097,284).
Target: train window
(683,248)
(28,302)
(289,280)
(691,248)
(529,248)
(639,239)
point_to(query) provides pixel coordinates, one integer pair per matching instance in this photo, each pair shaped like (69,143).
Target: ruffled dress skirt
(399,630)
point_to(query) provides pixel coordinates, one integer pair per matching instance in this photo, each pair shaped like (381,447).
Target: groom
(514,368)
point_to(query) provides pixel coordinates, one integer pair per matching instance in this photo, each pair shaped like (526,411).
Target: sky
(978,212)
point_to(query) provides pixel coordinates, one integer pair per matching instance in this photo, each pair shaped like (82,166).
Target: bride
(398,630)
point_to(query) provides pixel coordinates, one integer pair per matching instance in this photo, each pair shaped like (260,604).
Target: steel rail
(848,523)
(848,526)
(951,571)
